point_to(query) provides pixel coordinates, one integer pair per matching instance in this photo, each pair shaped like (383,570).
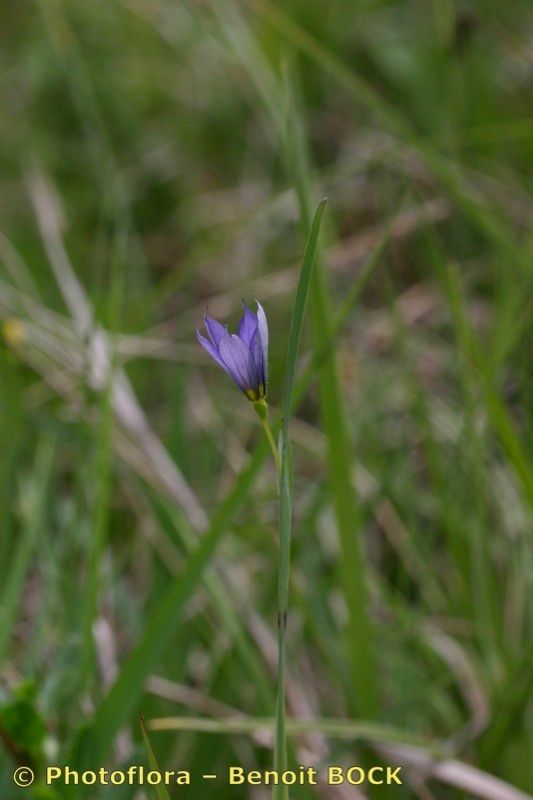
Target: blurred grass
(352,572)
(151,139)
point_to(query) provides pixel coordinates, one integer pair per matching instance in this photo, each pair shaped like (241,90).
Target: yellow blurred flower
(14,331)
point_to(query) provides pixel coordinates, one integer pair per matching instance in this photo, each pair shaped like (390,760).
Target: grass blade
(398,745)
(160,789)
(334,728)
(298,314)
(285,498)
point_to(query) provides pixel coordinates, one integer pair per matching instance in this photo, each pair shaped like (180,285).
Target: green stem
(272,443)
(261,409)
(280,792)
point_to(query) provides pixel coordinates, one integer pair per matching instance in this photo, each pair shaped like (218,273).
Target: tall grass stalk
(285,496)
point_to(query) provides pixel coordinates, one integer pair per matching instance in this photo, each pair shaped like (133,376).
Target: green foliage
(21,723)
(285,492)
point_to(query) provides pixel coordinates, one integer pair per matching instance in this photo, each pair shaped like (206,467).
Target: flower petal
(247,325)
(256,350)
(238,361)
(263,332)
(215,330)
(211,349)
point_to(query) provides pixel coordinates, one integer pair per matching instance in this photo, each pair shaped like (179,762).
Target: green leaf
(285,499)
(160,789)
(298,311)
(21,724)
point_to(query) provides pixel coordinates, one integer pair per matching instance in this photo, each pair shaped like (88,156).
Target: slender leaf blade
(160,789)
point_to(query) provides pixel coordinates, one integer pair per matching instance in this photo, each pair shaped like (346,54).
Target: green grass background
(158,157)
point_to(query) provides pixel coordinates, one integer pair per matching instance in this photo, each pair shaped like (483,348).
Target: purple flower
(244,356)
